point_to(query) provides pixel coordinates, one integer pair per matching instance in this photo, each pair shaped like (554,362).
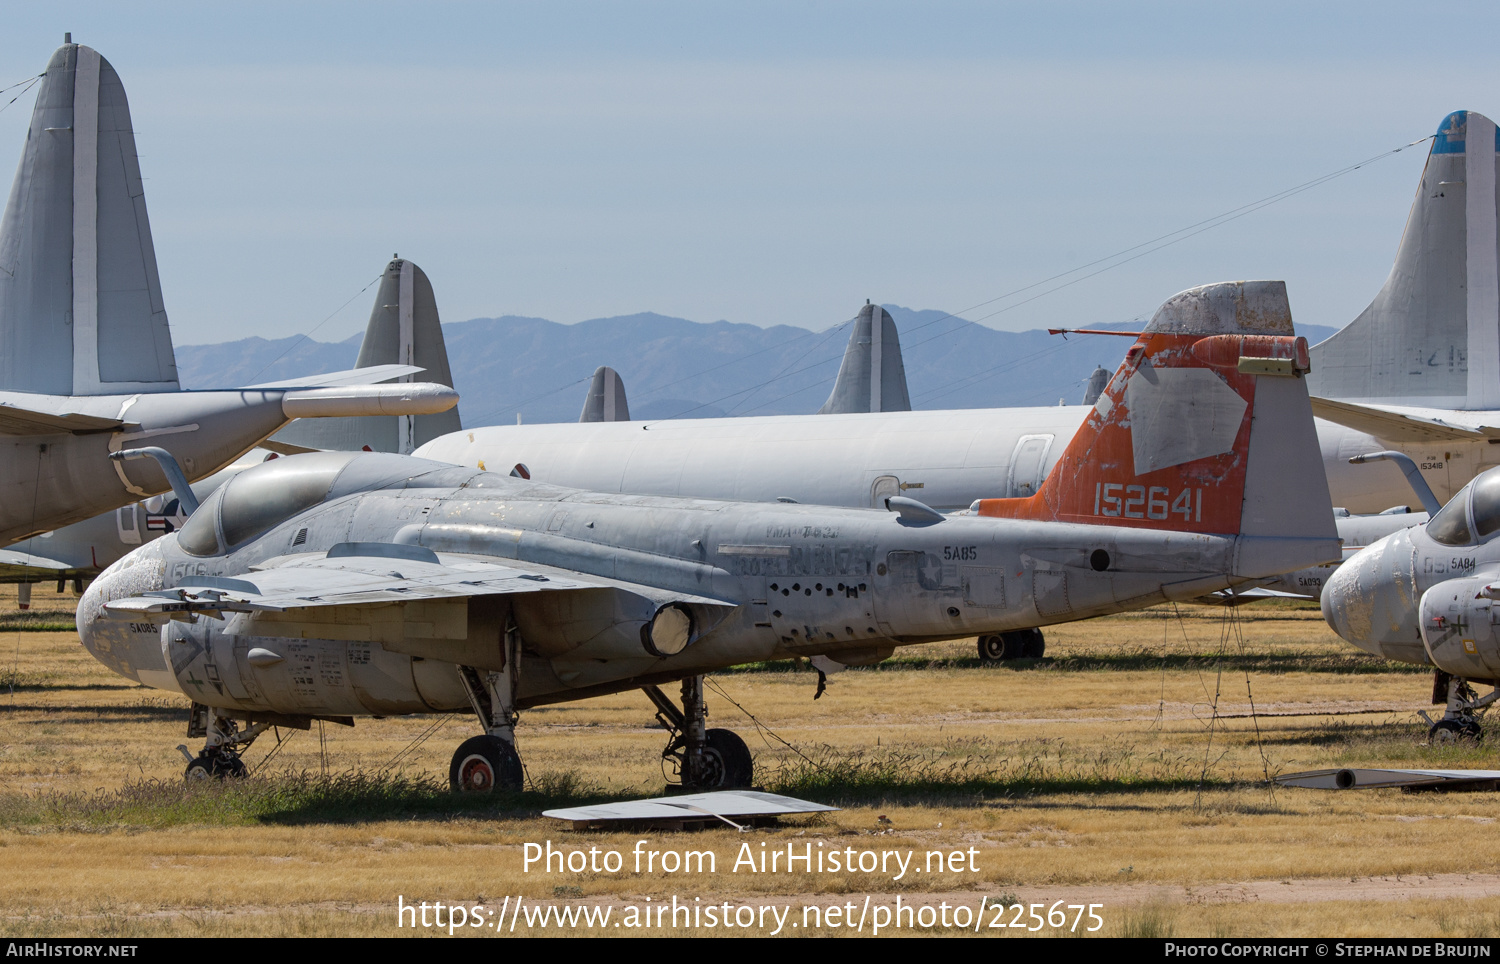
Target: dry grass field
(1127,769)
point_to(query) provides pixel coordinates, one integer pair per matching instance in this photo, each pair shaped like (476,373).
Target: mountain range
(675,368)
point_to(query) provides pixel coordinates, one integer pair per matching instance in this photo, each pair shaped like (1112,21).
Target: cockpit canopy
(1472,515)
(260,498)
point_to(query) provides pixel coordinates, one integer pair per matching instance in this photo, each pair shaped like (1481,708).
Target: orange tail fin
(1205,427)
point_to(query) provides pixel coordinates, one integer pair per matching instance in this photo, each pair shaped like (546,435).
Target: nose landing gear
(1460,720)
(223,743)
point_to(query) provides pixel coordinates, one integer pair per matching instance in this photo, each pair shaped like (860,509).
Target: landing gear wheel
(485,764)
(1006,646)
(215,766)
(727,761)
(1034,645)
(1449,732)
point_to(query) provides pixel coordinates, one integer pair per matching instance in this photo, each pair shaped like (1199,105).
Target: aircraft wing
(387,593)
(14,564)
(354,376)
(20,420)
(315,581)
(1403,424)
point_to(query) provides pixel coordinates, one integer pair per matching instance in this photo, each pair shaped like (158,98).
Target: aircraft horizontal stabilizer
(1401,424)
(353,376)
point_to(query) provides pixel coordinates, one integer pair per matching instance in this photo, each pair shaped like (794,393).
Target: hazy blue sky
(764,163)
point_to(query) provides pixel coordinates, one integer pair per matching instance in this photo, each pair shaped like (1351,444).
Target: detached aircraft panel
(1370,779)
(738,804)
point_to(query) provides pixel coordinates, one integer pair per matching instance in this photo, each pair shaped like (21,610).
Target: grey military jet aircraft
(330,585)
(1426,595)
(86,360)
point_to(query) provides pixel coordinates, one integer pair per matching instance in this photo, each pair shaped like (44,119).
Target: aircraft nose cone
(124,647)
(1371,600)
(1346,602)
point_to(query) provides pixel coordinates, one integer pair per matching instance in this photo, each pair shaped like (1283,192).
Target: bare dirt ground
(1127,770)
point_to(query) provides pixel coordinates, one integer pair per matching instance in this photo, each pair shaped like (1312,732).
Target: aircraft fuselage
(777,581)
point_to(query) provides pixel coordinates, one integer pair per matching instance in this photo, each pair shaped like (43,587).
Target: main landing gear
(223,743)
(487,763)
(1017,644)
(700,758)
(1460,720)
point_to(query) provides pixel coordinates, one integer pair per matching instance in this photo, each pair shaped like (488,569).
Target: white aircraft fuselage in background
(946,459)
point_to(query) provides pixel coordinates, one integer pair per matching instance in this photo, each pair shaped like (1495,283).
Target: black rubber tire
(991,648)
(736,765)
(1035,645)
(1455,731)
(485,764)
(215,767)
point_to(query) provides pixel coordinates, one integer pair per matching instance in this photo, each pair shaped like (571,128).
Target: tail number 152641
(1117,500)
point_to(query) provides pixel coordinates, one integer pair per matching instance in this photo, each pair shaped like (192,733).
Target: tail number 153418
(1117,500)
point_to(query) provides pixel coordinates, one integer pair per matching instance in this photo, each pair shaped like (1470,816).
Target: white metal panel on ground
(740,804)
(1369,779)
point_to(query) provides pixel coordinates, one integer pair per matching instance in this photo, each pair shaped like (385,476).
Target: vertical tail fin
(872,377)
(404,329)
(1431,337)
(1206,427)
(81,309)
(605,401)
(1096,384)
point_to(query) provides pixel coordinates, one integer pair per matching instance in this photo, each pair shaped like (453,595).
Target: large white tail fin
(404,329)
(872,377)
(1431,337)
(81,310)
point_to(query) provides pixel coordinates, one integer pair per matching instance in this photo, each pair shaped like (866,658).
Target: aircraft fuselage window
(199,535)
(1486,503)
(1450,526)
(259,498)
